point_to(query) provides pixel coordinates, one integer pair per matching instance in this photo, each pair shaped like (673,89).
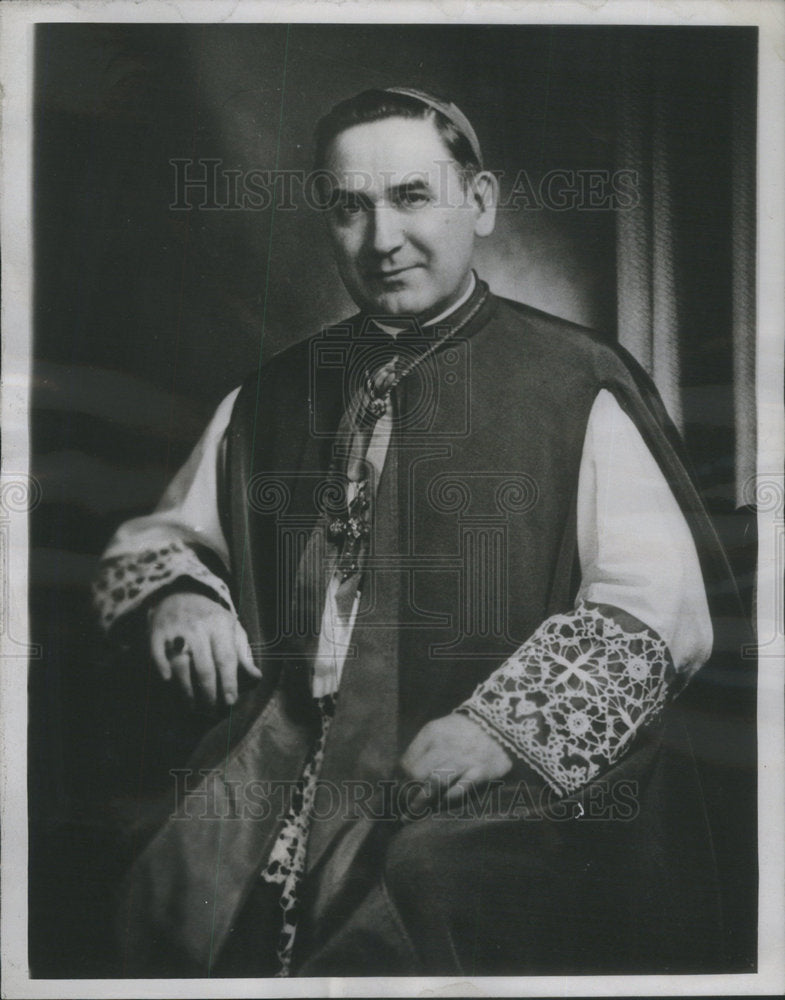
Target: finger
(442,779)
(418,760)
(244,654)
(458,789)
(424,743)
(158,653)
(225,656)
(414,768)
(429,791)
(181,669)
(415,801)
(203,666)
(434,764)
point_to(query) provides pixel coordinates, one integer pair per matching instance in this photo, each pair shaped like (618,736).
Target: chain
(376,405)
(352,529)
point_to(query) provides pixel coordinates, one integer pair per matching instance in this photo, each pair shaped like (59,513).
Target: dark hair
(375,105)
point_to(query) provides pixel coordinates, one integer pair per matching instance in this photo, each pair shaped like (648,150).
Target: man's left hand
(451,754)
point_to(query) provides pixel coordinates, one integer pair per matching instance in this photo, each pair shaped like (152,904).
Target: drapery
(670,244)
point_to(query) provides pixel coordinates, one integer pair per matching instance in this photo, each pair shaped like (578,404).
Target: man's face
(401,222)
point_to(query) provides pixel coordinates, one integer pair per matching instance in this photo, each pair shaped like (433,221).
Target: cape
(481,479)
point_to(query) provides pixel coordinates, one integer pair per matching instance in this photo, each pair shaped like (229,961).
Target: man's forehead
(389,152)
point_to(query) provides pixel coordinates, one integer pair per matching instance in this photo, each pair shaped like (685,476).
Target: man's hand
(451,754)
(211,644)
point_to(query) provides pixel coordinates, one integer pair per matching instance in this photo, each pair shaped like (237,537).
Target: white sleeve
(636,550)
(149,552)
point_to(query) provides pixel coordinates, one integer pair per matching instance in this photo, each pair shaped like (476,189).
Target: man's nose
(386,229)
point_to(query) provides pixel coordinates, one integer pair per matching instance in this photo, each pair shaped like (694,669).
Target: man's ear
(485,192)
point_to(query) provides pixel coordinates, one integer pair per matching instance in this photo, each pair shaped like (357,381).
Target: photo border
(18,491)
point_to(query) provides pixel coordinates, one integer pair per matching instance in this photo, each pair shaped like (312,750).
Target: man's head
(407,196)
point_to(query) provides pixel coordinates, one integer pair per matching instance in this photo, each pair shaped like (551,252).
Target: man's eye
(413,199)
(347,205)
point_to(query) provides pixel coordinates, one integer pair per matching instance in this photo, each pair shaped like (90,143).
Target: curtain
(686,127)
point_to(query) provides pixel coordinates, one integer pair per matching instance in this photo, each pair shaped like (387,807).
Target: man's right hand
(212,645)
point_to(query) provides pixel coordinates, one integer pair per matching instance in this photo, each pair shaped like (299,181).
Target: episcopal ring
(176,647)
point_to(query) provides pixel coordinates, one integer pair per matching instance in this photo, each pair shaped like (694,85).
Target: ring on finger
(176,647)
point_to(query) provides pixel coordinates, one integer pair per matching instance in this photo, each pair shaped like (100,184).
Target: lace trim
(286,864)
(573,698)
(125,581)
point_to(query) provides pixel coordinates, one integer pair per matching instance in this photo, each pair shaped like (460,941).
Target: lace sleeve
(126,581)
(573,698)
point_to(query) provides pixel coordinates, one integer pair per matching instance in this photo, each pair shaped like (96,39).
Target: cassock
(474,574)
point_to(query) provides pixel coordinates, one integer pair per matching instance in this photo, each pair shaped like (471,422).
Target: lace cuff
(126,581)
(573,698)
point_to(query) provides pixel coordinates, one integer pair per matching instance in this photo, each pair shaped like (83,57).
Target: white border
(16,63)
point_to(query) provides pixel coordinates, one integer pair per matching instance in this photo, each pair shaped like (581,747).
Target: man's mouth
(389,273)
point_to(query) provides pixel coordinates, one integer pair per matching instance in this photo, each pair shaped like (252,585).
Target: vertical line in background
(633,229)
(665,325)
(743,205)
(253,451)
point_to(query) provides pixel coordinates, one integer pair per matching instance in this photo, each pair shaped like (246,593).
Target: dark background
(145,316)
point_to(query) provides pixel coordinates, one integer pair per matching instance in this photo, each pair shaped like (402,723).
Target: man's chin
(403,302)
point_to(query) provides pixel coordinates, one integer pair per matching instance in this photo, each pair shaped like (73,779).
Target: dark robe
(473,546)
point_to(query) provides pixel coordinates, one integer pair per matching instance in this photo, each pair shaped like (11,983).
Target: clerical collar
(393,331)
